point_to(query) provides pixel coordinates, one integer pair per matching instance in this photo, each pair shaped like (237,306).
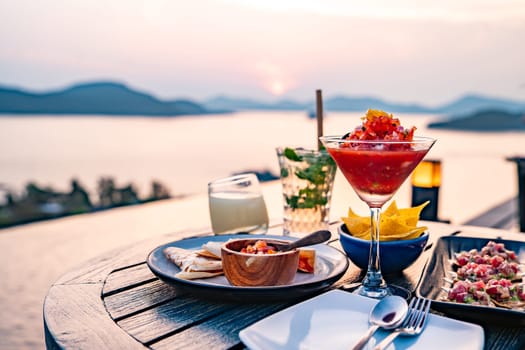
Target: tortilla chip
(356,226)
(391,210)
(355,223)
(396,224)
(411,215)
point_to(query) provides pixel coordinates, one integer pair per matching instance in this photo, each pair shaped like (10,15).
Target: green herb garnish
(292,155)
(312,196)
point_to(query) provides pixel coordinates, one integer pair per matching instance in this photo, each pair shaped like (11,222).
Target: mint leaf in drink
(292,155)
(314,169)
(293,201)
(307,198)
(315,174)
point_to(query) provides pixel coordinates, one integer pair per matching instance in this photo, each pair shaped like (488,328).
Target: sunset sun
(277,88)
(274,78)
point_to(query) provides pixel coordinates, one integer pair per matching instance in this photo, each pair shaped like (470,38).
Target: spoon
(387,313)
(311,239)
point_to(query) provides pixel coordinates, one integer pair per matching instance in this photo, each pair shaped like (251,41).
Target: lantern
(426,180)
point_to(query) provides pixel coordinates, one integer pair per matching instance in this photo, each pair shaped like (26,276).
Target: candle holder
(426,181)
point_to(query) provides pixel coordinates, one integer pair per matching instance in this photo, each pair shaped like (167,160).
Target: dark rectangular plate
(440,264)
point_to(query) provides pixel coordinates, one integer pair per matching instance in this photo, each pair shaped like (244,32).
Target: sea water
(185,153)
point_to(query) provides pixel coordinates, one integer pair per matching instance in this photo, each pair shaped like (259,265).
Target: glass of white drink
(237,205)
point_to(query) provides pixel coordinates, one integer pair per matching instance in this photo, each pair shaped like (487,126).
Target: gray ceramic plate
(331,264)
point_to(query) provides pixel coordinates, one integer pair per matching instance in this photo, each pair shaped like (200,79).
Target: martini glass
(376,169)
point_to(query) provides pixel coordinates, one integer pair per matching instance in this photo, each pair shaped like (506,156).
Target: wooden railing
(503,216)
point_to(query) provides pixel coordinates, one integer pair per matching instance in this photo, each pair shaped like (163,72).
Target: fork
(414,322)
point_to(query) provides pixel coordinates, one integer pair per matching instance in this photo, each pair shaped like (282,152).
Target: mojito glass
(307,178)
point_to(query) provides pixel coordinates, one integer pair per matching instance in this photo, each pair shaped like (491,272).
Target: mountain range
(464,105)
(106,98)
(111,98)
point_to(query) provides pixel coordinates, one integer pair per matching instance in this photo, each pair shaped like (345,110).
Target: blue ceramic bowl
(395,256)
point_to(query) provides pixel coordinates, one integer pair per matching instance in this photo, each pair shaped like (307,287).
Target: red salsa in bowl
(259,247)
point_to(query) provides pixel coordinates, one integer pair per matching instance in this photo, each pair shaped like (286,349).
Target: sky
(421,51)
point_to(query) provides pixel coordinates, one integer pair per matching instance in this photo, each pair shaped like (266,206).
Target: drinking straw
(319,104)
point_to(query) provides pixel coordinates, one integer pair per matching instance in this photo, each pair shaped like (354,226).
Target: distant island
(117,99)
(484,121)
(463,105)
(101,98)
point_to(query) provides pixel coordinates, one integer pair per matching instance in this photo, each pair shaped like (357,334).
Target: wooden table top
(115,302)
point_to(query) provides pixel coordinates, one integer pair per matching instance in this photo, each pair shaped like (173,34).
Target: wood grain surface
(115,302)
(258,269)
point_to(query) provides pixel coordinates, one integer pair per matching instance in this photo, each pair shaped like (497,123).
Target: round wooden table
(115,302)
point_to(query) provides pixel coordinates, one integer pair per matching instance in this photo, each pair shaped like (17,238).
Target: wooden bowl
(245,269)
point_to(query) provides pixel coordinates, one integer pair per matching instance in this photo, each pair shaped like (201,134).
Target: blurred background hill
(108,98)
(113,98)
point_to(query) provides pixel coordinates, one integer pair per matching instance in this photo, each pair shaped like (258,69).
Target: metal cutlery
(414,323)
(388,313)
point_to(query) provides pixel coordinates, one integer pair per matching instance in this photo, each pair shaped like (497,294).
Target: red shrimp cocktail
(376,158)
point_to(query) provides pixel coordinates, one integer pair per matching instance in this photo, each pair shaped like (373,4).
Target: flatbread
(212,249)
(192,265)
(197,274)
(207,254)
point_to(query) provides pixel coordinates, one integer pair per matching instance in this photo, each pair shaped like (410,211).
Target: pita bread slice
(192,265)
(212,249)
(197,275)
(207,254)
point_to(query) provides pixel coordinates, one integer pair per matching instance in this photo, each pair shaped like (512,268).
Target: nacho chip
(396,224)
(391,210)
(356,224)
(412,214)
